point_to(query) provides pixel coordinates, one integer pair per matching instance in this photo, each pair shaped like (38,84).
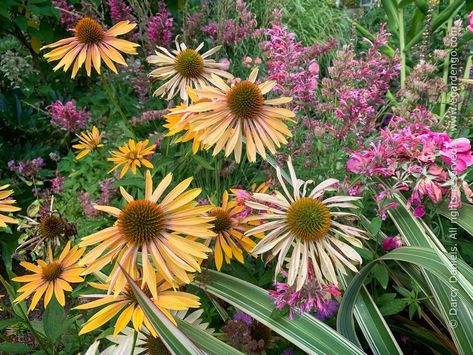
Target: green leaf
(15,348)
(385,298)
(202,162)
(53,320)
(381,274)
(306,332)
(371,322)
(415,232)
(375,226)
(173,338)
(7,322)
(207,342)
(438,21)
(463,216)
(394,307)
(423,257)
(390,7)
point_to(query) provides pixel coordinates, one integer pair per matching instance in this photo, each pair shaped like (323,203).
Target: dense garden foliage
(228,177)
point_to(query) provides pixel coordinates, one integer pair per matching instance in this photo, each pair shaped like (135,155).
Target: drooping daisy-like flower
(178,120)
(42,228)
(184,67)
(90,45)
(238,112)
(51,278)
(306,227)
(230,229)
(146,343)
(6,205)
(132,155)
(126,304)
(156,230)
(88,141)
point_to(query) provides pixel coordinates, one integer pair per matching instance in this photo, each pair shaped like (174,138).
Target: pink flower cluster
(359,85)
(160,27)
(292,65)
(106,195)
(67,12)
(67,116)
(120,11)
(313,297)
(408,151)
(233,31)
(28,168)
(57,184)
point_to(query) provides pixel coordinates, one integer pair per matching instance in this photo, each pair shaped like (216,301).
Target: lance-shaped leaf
(173,338)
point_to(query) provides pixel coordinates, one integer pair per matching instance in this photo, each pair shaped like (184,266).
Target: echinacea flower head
(88,141)
(132,155)
(177,121)
(53,277)
(90,45)
(126,304)
(184,67)
(6,205)
(155,232)
(307,228)
(238,112)
(230,240)
(147,343)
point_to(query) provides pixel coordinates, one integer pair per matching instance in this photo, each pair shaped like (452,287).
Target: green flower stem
(113,100)
(25,319)
(402,45)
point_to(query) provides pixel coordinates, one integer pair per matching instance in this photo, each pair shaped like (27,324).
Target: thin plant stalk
(115,103)
(446,67)
(402,45)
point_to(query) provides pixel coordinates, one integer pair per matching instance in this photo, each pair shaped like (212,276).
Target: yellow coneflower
(305,227)
(230,229)
(156,230)
(126,304)
(53,277)
(239,112)
(6,205)
(186,67)
(88,141)
(147,343)
(91,44)
(178,122)
(132,155)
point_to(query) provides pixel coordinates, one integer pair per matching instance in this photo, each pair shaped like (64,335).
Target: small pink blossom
(391,243)
(225,62)
(314,68)
(311,298)
(57,184)
(457,154)
(419,211)
(67,116)
(160,27)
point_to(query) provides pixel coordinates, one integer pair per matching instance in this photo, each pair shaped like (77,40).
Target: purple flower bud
(391,243)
